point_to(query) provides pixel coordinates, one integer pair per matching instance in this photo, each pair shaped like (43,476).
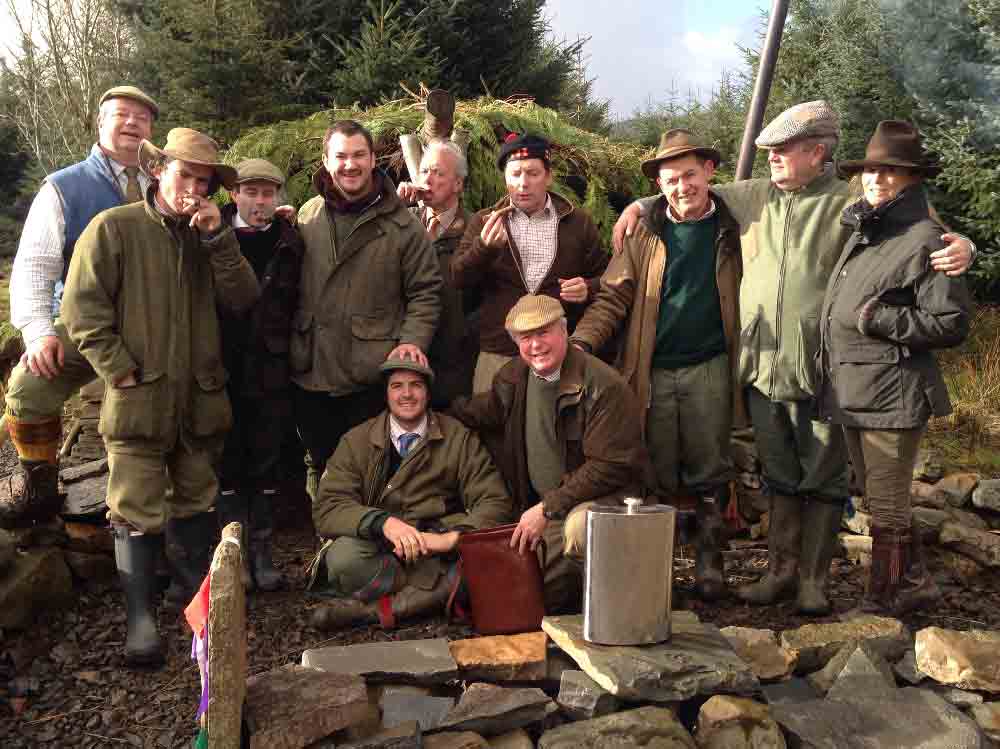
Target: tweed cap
(133,93)
(812,119)
(392,365)
(257,170)
(533,311)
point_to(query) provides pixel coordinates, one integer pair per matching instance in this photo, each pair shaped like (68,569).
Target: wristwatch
(552,514)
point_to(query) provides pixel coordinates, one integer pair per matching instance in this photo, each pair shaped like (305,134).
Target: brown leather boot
(709,568)
(880,587)
(784,542)
(408,602)
(916,587)
(341,613)
(33,487)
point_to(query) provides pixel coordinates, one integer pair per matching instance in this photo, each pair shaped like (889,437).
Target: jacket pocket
(749,360)
(135,413)
(209,412)
(806,361)
(373,339)
(868,378)
(300,348)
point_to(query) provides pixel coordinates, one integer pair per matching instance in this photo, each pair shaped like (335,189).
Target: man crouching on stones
(140,303)
(572,436)
(393,499)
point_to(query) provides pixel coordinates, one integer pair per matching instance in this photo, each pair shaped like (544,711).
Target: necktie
(132,192)
(434,227)
(406,442)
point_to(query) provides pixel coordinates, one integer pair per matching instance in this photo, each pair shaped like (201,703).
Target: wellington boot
(709,568)
(341,613)
(190,543)
(135,557)
(265,574)
(917,587)
(233,507)
(820,522)
(784,543)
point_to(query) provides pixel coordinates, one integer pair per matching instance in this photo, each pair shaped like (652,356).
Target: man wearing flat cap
(255,354)
(572,436)
(392,502)
(791,237)
(531,242)
(140,305)
(51,369)
(675,289)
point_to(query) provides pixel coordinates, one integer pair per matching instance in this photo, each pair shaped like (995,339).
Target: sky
(640,49)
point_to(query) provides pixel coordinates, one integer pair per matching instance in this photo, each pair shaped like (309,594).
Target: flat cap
(133,93)
(812,119)
(254,170)
(533,311)
(391,365)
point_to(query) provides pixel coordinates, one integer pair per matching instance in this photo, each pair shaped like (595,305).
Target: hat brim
(651,167)
(407,365)
(150,154)
(850,168)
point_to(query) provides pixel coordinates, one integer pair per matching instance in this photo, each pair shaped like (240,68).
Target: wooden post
(227,642)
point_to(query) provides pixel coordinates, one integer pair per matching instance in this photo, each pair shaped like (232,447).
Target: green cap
(254,170)
(391,365)
(133,93)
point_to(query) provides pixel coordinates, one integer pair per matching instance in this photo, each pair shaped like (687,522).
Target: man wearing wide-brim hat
(393,499)
(51,369)
(791,236)
(676,283)
(140,304)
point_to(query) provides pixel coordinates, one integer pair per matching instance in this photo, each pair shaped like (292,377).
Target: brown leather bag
(505,586)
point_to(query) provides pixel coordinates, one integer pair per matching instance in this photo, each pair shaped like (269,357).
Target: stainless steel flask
(628,573)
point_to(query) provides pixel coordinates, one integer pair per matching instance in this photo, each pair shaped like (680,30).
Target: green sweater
(689,327)
(545,457)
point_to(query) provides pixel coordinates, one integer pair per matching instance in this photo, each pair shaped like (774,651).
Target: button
(843,272)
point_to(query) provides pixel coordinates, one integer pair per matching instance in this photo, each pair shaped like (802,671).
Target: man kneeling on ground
(393,499)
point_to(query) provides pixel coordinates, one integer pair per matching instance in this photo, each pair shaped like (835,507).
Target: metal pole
(762,88)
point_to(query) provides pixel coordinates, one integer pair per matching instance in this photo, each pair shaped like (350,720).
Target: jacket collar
(385,202)
(378,433)
(657,217)
(570,376)
(906,208)
(562,206)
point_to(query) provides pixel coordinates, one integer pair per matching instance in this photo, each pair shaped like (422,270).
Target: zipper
(781,293)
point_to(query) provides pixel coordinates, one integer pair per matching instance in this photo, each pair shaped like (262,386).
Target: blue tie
(406,442)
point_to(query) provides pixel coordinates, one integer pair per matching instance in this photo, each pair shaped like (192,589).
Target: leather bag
(505,587)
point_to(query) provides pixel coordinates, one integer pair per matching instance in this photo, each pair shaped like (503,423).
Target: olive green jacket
(359,301)
(448,478)
(141,297)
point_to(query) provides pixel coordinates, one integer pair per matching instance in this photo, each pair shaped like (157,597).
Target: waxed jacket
(598,422)
(142,296)
(381,288)
(631,290)
(497,273)
(447,478)
(886,377)
(255,342)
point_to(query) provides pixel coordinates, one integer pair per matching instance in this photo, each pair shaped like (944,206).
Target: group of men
(360,320)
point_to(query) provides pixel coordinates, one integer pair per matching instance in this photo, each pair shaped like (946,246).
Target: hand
(408,351)
(573,290)
(409,192)
(494,233)
(625,225)
(407,542)
(205,216)
(440,543)
(128,381)
(45,357)
(286,212)
(529,529)
(954,259)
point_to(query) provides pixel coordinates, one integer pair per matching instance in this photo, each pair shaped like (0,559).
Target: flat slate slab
(502,658)
(650,727)
(491,710)
(400,707)
(409,661)
(697,659)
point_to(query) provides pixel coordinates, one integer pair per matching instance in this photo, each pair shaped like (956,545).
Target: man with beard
(370,290)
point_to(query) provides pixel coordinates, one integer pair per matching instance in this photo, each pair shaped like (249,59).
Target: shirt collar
(239,223)
(546,212)
(396,430)
(554,377)
(445,217)
(675,220)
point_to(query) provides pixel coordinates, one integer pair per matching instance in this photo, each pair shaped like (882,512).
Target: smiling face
(684,182)
(544,349)
(121,125)
(255,201)
(179,179)
(528,181)
(883,183)
(406,393)
(350,162)
(438,175)
(795,164)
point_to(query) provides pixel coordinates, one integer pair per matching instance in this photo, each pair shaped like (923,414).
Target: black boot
(709,568)
(233,507)
(784,541)
(190,543)
(135,557)
(820,523)
(265,574)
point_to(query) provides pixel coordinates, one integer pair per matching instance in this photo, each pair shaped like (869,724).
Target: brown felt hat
(533,311)
(674,144)
(185,144)
(895,143)
(258,170)
(133,93)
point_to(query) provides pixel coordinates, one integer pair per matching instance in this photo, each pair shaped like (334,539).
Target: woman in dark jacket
(885,310)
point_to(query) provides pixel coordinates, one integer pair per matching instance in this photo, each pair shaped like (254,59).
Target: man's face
(795,164)
(684,182)
(437,174)
(350,162)
(179,179)
(528,182)
(883,183)
(255,201)
(544,349)
(406,393)
(122,124)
